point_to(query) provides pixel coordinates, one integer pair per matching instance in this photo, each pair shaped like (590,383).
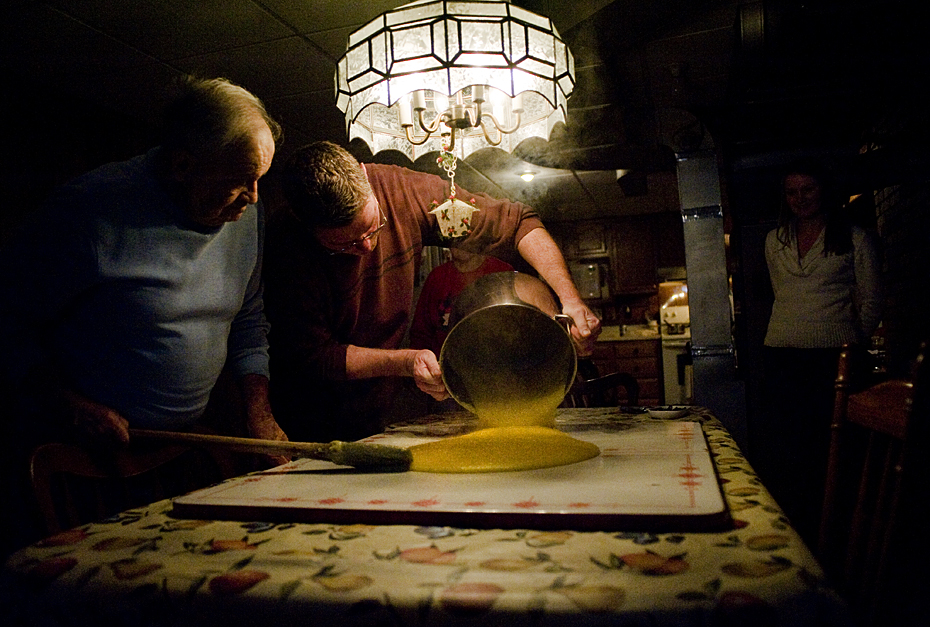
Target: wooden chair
(870,489)
(72,486)
(591,389)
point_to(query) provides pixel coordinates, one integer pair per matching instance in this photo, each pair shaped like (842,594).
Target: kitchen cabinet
(626,246)
(633,257)
(591,240)
(670,240)
(581,240)
(640,358)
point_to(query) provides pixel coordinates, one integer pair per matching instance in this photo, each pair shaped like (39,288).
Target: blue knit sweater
(136,307)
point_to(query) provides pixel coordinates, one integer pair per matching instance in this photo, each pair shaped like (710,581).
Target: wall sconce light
(528,176)
(437,75)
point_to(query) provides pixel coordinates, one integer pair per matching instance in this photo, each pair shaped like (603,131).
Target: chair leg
(874,585)
(863,512)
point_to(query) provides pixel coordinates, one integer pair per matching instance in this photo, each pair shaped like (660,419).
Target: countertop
(620,333)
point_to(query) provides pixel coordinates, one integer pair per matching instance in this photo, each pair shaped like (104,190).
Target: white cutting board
(652,475)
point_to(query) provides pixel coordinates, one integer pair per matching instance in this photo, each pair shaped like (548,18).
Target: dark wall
(898,169)
(50,138)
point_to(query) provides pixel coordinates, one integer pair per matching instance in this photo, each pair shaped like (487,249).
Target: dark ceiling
(654,77)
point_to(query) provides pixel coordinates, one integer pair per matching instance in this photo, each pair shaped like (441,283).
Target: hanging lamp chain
(448,161)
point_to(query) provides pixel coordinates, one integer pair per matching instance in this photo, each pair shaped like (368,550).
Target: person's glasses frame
(360,241)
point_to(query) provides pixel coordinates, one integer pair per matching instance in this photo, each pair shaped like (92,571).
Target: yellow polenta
(499,449)
(504,412)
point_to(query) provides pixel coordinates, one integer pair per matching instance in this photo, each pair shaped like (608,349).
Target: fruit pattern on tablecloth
(156,566)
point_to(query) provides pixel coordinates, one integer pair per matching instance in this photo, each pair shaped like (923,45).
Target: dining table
(694,540)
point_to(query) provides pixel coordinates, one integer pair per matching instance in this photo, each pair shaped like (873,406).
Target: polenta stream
(508,361)
(510,437)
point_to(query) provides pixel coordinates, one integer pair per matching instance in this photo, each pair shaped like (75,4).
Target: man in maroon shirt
(339,283)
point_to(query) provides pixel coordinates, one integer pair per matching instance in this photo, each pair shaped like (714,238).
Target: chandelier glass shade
(464,75)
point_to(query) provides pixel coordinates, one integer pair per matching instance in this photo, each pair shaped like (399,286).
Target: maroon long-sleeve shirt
(318,303)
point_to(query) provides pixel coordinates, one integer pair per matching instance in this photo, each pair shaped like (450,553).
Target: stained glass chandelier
(454,77)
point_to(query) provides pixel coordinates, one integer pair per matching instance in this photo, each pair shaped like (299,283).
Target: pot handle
(566,321)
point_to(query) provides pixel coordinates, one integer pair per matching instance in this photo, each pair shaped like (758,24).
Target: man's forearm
(261,422)
(366,363)
(539,250)
(255,396)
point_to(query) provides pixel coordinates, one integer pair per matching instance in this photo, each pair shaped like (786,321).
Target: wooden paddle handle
(358,454)
(242,445)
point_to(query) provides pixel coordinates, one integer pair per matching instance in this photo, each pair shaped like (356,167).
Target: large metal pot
(508,357)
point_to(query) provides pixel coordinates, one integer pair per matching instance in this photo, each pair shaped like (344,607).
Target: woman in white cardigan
(825,274)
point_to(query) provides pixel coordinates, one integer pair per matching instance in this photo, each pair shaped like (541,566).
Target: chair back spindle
(869,487)
(591,389)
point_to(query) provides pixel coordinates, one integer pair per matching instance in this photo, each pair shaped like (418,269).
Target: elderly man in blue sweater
(127,294)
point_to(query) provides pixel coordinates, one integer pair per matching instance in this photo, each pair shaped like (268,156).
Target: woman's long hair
(837,232)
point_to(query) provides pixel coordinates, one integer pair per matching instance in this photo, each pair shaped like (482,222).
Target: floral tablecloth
(146,567)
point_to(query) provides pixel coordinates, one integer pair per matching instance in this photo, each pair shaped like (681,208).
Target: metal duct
(716,385)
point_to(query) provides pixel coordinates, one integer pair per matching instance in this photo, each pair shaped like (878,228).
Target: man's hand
(586,328)
(427,375)
(260,421)
(541,251)
(421,364)
(103,426)
(266,430)
(269,430)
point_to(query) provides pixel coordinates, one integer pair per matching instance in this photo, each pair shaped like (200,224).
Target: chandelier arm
(487,136)
(500,127)
(408,131)
(432,127)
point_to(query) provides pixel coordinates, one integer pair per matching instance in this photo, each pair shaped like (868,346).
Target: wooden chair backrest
(870,468)
(603,391)
(73,486)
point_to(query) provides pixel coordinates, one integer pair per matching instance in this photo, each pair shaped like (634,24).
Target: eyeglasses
(372,237)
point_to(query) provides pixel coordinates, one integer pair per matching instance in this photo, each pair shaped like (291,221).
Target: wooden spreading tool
(360,455)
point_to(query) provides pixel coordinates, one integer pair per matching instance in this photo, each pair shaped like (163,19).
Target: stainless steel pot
(508,358)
